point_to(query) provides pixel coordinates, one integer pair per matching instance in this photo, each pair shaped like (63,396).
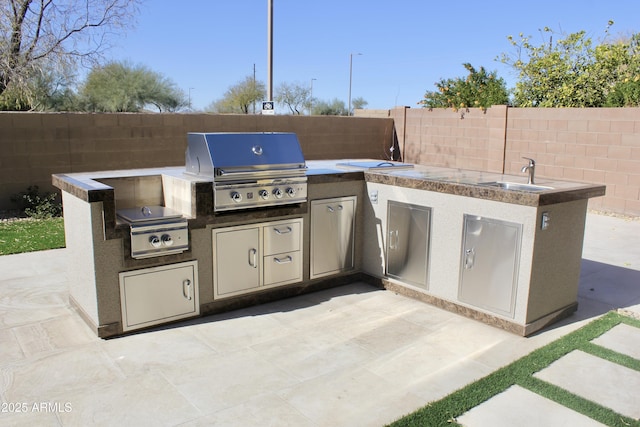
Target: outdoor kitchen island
(530,285)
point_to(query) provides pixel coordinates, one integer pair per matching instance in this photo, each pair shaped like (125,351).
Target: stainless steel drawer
(283,237)
(283,268)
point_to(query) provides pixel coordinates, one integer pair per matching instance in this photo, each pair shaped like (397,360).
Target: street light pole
(350,79)
(190,98)
(270,50)
(311,96)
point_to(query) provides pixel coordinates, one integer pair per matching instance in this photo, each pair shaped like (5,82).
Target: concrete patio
(353,355)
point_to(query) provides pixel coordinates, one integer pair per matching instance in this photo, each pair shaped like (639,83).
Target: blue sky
(406,45)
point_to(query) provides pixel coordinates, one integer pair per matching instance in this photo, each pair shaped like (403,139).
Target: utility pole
(311,96)
(350,80)
(270,51)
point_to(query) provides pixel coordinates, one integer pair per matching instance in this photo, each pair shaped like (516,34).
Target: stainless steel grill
(249,170)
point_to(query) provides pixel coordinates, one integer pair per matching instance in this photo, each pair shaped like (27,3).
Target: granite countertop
(465,183)
(87,185)
(477,184)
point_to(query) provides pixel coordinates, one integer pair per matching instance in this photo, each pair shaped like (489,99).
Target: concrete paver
(622,338)
(517,406)
(596,379)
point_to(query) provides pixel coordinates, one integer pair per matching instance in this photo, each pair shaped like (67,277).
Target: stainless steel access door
(332,235)
(489,263)
(408,242)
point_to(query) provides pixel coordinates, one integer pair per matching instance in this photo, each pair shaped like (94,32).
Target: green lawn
(445,411)
(31,235)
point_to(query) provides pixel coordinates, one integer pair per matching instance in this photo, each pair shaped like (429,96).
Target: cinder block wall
(599,145)
(595,145)
(35,145)
(468,138)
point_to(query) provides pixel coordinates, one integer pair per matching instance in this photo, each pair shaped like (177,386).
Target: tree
(49,90)
(572,72)
(122,87)
(296,96)
(623,57)
(479,89)
(359,103)
(335,107)
(37,37)
(239,97)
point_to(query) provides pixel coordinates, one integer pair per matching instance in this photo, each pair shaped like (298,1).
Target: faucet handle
(531,161)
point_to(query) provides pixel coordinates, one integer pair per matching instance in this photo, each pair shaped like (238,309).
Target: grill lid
(218,154)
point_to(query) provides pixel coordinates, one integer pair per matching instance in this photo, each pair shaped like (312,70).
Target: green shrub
(36,205)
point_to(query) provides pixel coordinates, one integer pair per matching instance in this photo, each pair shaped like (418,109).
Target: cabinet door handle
(393,242)
(340,207)
(186,289)
(469,258)
(284,260)
(252,258)
(330,209)
(286,230)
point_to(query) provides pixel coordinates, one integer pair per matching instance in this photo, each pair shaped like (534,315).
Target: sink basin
(376,165)
(517,186)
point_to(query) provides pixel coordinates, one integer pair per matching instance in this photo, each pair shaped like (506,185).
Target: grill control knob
(167,240)
(155,241)
(236,197)
(264,194)
(291,192)
(278,193)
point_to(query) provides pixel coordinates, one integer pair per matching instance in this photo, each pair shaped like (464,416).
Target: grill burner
(249,170)
(155,231)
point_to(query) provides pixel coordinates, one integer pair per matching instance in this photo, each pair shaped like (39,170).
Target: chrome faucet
(531,168)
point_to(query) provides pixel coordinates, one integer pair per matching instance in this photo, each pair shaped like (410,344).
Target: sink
(517,186)
(376,165)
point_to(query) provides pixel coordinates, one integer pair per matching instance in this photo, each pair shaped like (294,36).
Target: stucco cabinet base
(548,267)
(542,288)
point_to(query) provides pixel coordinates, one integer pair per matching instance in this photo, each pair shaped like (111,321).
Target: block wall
(469,138)
(594,145)
(597,145)
(35,145)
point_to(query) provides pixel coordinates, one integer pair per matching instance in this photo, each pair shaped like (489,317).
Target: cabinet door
(408,233)
(158,295)
(332,235)
(237,260)
(489,266)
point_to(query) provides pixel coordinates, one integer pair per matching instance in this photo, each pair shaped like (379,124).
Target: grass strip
(31,235)
(445,411)
(577,403)
(611,356)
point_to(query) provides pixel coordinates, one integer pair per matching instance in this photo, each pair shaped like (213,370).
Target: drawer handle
(286,231)
(284,260)
(186,289)
(252,258)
